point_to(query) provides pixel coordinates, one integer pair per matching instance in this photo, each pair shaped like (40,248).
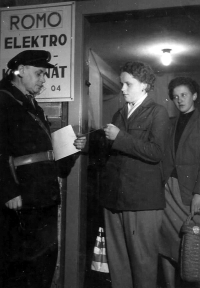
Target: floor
(97,280)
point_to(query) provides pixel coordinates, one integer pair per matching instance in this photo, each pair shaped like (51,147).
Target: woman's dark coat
(187,158)
(133,175)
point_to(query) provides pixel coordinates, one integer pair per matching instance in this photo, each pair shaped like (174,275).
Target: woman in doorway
(133,191)
(182,172)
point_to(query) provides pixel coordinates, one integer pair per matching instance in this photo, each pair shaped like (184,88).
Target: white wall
(160,94)
(98,70)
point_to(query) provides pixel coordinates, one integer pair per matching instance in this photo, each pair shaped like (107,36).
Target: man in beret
(28,176)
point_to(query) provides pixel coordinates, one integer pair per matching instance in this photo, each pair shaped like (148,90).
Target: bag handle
(189,218)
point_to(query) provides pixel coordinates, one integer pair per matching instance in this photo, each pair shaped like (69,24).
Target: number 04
(54,88)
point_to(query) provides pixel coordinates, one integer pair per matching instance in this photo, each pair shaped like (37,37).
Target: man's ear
(194,96)
(21,71)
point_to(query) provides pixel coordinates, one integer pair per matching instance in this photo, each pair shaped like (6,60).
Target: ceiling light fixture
(166,58)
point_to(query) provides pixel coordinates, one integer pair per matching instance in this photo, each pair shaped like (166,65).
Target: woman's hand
(195,205)
(111,131)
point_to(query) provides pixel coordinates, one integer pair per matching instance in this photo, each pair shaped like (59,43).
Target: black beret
(36,58)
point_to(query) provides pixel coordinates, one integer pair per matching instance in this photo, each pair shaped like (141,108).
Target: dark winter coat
(21,135)
(133,175)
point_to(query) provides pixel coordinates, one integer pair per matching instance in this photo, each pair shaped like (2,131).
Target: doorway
(116,38)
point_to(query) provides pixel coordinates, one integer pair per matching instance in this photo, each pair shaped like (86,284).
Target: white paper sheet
(62,141)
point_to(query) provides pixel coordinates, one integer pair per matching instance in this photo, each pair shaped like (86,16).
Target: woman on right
(182,172)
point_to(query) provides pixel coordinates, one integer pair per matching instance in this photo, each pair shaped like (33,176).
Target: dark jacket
(133,175)
(21,135)
(187,158)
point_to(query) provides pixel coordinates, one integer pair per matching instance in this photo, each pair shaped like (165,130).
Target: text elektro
(35,41)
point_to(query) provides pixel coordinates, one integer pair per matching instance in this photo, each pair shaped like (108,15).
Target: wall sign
(48,27)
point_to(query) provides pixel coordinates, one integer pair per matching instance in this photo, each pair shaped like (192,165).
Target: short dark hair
(192,85)
(140,71)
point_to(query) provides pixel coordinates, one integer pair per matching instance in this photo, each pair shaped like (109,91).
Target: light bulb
(166,58)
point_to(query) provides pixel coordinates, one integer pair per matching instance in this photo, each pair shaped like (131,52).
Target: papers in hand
(63,142)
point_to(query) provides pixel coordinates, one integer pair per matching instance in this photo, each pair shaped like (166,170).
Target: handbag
(190,251)
(99,260)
